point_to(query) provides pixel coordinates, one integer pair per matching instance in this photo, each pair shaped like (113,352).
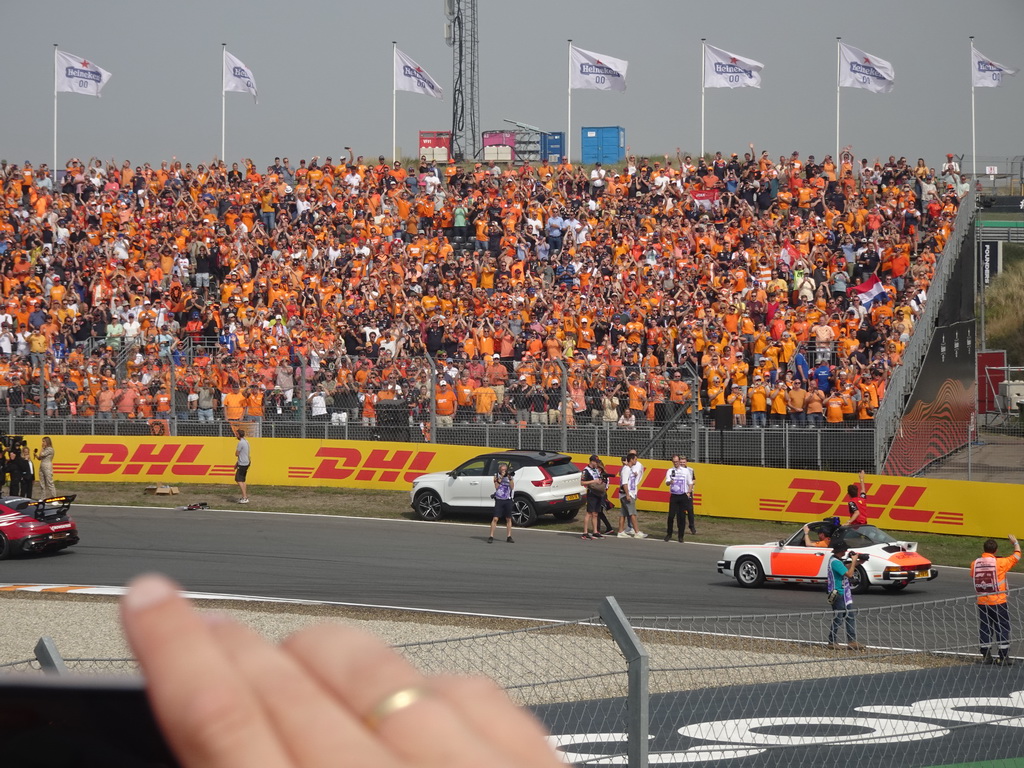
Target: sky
(324,72)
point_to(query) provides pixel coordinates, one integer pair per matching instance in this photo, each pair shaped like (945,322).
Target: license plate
(62,535)
(572,497)
(923,574)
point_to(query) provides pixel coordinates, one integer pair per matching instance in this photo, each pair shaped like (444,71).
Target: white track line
(75,589)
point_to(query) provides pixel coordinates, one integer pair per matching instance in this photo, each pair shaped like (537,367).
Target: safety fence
(765,690)
(994,451)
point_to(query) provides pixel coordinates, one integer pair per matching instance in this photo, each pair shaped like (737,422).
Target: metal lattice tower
(461,35)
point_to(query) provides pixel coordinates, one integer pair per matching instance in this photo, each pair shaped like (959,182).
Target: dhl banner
(898,503)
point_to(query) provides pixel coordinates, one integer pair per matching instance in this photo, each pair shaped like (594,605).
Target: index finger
(205,709)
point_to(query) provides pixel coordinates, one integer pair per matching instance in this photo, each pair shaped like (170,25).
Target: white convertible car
(890,564)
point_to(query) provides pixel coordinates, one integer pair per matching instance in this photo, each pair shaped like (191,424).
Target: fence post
(172,387)
(303,394)
(432,394)
(785,439)
(637,672)
(563,384)
(49,657)
(970,443)
(42,395)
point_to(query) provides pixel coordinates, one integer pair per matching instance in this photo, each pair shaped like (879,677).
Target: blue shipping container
(552,146)
(605,144)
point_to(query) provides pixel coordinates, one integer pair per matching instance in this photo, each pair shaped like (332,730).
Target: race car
(885,562)
(35,525)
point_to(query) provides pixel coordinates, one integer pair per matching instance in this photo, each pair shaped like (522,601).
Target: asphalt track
(426,566)
(838,720)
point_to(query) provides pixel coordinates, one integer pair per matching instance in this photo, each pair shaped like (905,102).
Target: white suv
(545,483)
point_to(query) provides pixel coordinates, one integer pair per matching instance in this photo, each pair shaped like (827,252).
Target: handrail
(904,378)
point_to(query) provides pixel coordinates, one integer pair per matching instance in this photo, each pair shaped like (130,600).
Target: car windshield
(865,536)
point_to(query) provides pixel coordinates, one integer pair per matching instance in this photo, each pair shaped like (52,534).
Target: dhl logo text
(376,465)
(180,459)
(827,498)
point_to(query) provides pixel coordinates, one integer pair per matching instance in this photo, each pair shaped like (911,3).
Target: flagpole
(839,64)
(703,75)
(223,99)
(568,130)
(974,144)
(394,100)
(53,172)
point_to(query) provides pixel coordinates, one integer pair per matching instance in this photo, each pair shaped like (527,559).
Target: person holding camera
(597,489)
(504,485)
(840,596)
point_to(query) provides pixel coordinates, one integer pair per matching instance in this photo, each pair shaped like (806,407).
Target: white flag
(238,77)
(410,76)
(593,70)
(862,70)
(986,73)
(727,70)
(77,75)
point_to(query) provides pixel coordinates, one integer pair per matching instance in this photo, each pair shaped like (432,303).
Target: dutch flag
(871,291)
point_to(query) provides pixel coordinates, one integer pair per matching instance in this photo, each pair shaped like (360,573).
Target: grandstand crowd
(668,283)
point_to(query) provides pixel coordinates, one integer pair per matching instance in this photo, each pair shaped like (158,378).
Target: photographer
(504,485)
(841,597)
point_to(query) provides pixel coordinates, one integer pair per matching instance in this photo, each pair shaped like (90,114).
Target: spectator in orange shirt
(234,405)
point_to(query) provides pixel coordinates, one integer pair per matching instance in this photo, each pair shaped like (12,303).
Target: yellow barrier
(901,503)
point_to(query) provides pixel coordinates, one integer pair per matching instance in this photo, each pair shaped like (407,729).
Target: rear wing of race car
(57,506)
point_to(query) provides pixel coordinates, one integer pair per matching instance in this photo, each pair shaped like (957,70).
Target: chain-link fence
(994,451)
(677,690)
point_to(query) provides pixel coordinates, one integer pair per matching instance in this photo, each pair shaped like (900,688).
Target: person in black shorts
(597,488)
(242,463)
(504,485)
(602,516)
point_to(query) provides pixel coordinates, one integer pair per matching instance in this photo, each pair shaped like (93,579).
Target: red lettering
(328,469)
(150,452)
(94,465)
(420,463)
(905,506)
(814,497)
(378,459)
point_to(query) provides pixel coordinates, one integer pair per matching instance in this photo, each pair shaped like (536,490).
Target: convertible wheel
(566,514)
(859,581)
(5,547)
(896,586)
(749,572)
(428,506)
(523,512)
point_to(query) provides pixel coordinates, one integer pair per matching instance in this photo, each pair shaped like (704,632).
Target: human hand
(224,696)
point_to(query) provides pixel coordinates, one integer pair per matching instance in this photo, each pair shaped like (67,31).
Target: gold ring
(396,702)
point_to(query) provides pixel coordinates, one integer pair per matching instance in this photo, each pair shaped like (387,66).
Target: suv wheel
(428,506)
(523,512)
(566,514)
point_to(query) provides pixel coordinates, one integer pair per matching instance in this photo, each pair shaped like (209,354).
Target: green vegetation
(1004,307)
(942,549)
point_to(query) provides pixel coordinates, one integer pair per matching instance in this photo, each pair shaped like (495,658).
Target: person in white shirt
(318,405)
(629,479)
(639,470)
(597,180)
(680,480)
